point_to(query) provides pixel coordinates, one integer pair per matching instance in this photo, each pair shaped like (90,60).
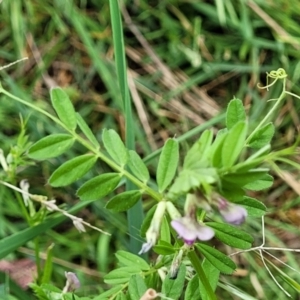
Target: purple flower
(72,283)
(232,213)
(190,230)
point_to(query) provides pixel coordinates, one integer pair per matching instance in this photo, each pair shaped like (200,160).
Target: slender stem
(198,267)
(265,119)
(56,120)
(23,208)
(37,259)
(146,189)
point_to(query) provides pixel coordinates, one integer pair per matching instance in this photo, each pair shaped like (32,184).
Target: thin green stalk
(23,208)
(37,259)
(155,195)
(198,267)
(135,214)
(271,111)
(56,120)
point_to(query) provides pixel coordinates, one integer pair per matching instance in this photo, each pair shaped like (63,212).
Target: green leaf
(190,179)
(233,144)
(86,130)
(136,287)
(172,288)
(138,167)
(63,107)
(253,161)
(115,146)
(243,178)
(196,290)
(123,201)
(120,296)
(121,275)
(9,286)
(231,235)
(262,137)
(218,259)
(51,146)
(48,265)
(167,165)
(263,183)
(197,156)
(215,154)
(235,113)
(254,207)
(46,291)
(164,248)
(114,290)
(10,243)
(192,290)
(99,186)
(232,192)
(72,170)
(128,259)
(213,274)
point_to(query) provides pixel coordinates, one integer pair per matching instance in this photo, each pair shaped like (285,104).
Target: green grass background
(186,60)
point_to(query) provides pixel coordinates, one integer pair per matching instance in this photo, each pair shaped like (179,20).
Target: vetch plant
(202,196)
(213,181)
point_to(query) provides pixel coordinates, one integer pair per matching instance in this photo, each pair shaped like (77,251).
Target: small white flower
(50,205)
(78,224)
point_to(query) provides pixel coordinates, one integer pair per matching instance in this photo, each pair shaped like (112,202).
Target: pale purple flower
(190,230)
(72,283)
(232,213)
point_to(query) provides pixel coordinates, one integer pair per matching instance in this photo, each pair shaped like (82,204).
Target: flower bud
(24,185)
(176,264)
(172,210)
(72,283)
(232,213)
(153,231)
(3,161)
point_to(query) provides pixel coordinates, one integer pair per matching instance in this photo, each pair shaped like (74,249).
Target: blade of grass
(14,241)
(79,23)
(12,288)
(135,214)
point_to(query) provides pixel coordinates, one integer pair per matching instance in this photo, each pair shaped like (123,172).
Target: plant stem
(56,120)
(198,267)
(155,195)
(37,259)
(265,119)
